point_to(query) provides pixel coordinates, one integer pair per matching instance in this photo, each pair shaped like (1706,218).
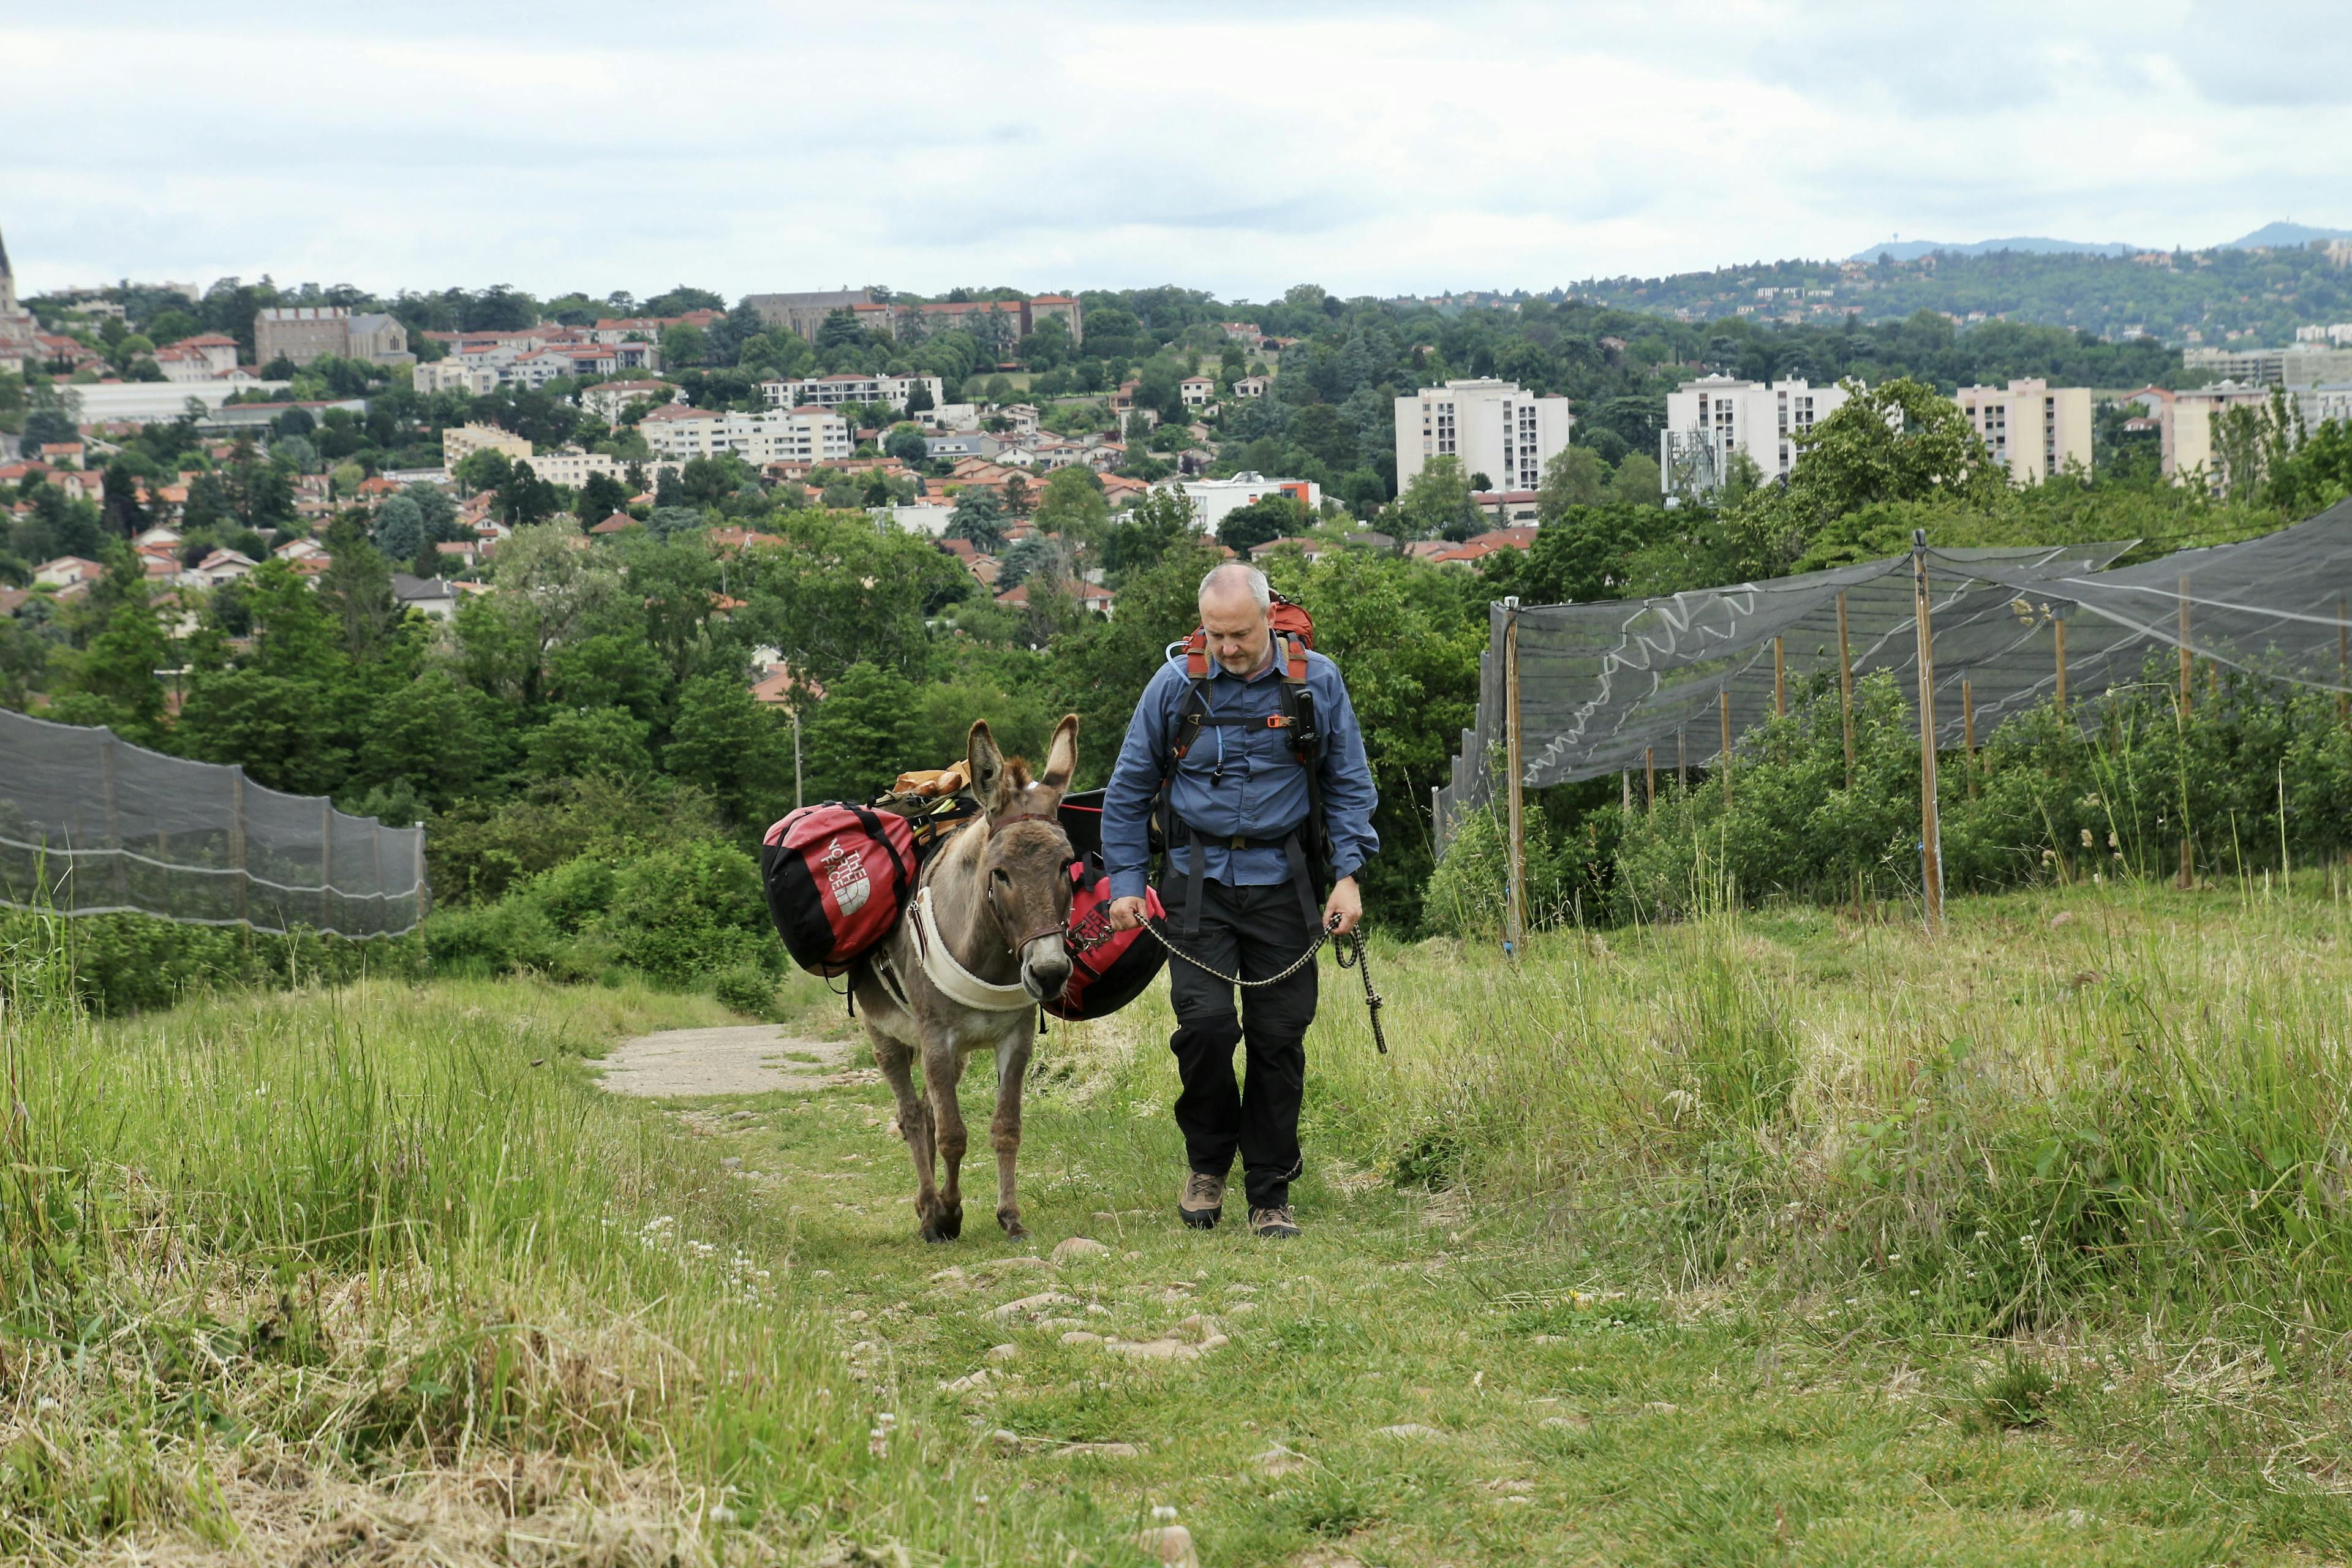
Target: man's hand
(1125,914)
(1344,909)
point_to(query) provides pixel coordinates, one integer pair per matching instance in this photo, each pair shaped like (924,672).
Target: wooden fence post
(1968,732)
(2058,625)
(2343,656)
(1931,844)
(1682,761)
(1780,682)
(328,914)
(122,878)
(1650,778)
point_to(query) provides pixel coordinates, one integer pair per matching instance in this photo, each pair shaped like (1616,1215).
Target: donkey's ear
(1061,757)
(986,764)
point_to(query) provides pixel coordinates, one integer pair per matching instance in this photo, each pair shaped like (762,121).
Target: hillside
(2258,293)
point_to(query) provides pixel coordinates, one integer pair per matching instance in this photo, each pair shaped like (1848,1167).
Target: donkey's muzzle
(1045,968)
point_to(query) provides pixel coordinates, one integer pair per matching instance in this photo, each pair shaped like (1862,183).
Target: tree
(1072,503)
(1161,523)
(486,468)
(1576,476)
(1637,481)
(730,745)
(1016,496)
(399,528)
(1037,557)
(440,513)
(709,480)
(427,733)
(978,517)
(526,499)
(684,344)
(356,588)
(905,443)
(578,741)
(1243,529)
(919,398)
(1438,502)
(601,497)
(862,736)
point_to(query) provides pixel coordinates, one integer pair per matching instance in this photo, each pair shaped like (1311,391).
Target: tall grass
(2143,1108)
(273,1263)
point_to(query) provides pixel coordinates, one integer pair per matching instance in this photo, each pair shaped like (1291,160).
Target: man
(1240,800)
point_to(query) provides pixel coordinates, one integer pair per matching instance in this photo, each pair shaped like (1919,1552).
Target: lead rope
(1351,956)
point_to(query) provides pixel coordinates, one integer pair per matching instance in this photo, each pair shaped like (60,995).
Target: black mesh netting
(1617,686)
(92,825)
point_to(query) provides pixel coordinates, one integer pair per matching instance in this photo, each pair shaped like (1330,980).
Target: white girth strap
(956,983)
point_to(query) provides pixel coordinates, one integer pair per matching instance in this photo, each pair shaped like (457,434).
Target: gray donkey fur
(1001,893)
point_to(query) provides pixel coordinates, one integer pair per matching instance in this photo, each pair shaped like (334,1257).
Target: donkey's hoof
(944,1224)
(1011,1220)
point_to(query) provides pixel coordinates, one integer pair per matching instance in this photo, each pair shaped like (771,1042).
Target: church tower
(7,281)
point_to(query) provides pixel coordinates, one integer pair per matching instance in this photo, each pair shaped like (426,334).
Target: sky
(1240,148)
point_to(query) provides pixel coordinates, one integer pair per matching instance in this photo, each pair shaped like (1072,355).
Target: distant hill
(2027,244)
(2284,234)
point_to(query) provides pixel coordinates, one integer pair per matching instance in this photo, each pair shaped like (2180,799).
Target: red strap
(1297,670)
(1196,655)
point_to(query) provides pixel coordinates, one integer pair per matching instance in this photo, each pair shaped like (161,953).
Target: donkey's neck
(959,906)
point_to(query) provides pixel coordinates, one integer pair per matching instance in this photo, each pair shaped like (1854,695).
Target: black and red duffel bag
(837,877)
(1109,968)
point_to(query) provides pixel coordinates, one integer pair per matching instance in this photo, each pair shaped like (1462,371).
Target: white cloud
(1374,148)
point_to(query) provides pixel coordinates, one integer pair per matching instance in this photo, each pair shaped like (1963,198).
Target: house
(295,550)
(777,685)
(432,596)
(607,398)
(1198,391)
(1212,498)
(1252,387)
(963,444)
(1507,506)
(201,358)
(619,522)
(70,572)
(168,538)
(464,551)
(1090,597)
(220,566)
(1312,549)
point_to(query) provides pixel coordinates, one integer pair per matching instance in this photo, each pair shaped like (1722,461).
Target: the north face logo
(844,876)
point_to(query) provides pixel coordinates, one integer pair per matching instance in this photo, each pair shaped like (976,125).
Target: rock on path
(747,1058)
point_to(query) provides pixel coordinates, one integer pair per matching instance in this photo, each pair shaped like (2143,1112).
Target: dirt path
(751,1058)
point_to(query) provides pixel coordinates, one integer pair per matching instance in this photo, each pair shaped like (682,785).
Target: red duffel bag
(837,879)
(1109,968)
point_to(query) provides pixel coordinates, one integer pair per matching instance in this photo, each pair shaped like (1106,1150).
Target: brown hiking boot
(1274,1223)
(1202,1201)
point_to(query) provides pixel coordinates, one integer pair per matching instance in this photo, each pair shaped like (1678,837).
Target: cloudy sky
(1374,148)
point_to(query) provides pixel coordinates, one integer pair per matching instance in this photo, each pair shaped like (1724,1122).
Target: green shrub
(127,962)
(748,989)
(490,939)
(693,909)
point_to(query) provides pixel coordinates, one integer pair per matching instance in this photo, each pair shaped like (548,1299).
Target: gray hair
(1237,574)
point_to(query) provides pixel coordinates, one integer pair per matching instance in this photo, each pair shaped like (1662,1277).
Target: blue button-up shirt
(1238,779)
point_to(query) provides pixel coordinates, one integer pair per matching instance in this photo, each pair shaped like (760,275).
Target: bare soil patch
(749,1059)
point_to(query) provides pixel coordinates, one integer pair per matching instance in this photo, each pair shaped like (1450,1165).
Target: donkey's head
(1024,865)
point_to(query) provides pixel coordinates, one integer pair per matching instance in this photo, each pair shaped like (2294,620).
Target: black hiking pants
(1251,933)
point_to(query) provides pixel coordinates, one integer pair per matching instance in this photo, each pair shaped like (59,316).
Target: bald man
(1244,885)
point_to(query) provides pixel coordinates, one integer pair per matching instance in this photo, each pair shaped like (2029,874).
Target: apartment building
(462,441)
(2306,363)
(1212,498)
(2184,422)
(2030,426)
(606,399)
(777,436)
(1709,419)
(465,375)
(1495,427)
(851,386)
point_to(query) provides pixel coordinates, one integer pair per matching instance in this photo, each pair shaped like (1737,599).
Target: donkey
(965,970)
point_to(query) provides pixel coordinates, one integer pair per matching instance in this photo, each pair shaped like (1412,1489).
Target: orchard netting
(92,825)
(1635,685)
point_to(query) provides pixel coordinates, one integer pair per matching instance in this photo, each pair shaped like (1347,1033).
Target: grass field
(1788,1237)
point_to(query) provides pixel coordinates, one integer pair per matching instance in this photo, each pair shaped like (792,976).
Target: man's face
(1237,631)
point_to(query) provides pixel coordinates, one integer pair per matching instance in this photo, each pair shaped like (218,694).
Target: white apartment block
(606,399)
(572,469)
(2032,428)
(458,374)
(1496,428)
(851,386)
(460,442)
(1709,419)
(778,435)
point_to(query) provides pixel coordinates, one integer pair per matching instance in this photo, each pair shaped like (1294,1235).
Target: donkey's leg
(897,1062)
(942,1067)
(1005,1131)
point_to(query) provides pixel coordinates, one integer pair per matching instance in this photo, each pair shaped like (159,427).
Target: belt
(1294,851)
